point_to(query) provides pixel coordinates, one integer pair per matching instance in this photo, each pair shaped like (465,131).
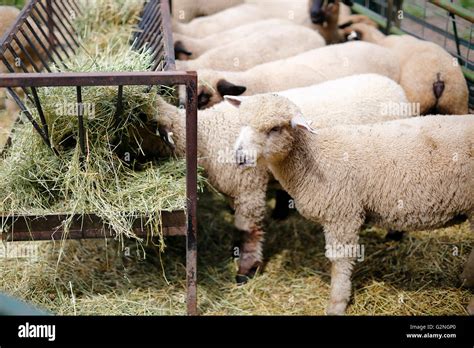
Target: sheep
(364,95)
(8,15)
(470,307)
(191,48)
(295,10)
(407,174)
(328,17)
(429,74)
(305,69)
(186,10)
(259,48)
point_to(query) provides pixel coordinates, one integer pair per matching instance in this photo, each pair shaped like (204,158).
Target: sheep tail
(438,87)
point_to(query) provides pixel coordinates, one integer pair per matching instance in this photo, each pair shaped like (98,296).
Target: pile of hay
(34,180)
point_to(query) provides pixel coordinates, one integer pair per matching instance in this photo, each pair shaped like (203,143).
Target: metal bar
(146,30)
(168,37)
(148,33)
(50,12)
(25,52)
(73,4)
(53,34)
(119,111)
(454,9)
(50,21)
(17,58)
(28,115)
(40,112)
(80,117)
(434,28)
(19,228)
(53,48)
(40,56)
(73,35)
(456,36)
(64,79)
(10,68)
(191,194)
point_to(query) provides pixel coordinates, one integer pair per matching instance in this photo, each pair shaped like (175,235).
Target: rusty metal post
(191,194)
(49,14)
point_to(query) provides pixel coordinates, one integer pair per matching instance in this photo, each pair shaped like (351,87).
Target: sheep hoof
(470,307)
(241,279)
(395,235)
(338,308)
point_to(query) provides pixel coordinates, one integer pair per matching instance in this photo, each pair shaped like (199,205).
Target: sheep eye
(275,130)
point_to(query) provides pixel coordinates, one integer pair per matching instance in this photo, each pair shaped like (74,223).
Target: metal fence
(449,24)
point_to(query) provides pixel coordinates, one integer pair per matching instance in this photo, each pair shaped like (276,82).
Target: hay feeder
(47,27)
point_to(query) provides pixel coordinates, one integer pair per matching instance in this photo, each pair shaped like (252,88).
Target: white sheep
(258,48)
(186,10)
(295,11)
(429,74)
(408,174)
(8,15)
(306,69)
(187,47)
(218,127)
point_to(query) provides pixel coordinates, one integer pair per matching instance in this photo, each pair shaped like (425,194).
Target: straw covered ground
(417,276)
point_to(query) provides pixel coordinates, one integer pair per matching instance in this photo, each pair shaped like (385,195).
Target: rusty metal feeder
(46,26)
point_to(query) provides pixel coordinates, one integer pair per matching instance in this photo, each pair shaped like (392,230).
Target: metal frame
(155,31)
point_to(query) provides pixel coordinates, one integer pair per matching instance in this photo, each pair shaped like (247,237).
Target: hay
(295,282)
(33,180)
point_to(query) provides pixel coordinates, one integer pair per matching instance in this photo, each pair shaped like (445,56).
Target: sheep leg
(250,256)
(341,249)
(341,271)
(467,276)
(249,214)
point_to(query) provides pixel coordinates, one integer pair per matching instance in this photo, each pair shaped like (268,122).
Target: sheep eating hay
(261,47)
(327,104)
(305,69)
(342,177)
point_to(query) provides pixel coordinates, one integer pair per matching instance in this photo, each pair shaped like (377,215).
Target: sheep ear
(179,49)
(346,24)
(300,122)
(225,87)
(166,135)
(235,101)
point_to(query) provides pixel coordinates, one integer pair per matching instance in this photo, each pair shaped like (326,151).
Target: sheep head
(322,11)
(268,134)
(213,87)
